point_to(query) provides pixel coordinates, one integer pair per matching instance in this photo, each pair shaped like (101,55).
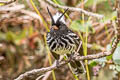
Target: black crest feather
(53,22)
(62,15)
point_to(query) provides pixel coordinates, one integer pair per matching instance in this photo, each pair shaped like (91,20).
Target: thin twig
(80,4)
(46,75)
(13,8)
(7,2)
(1,58)
(42,70)
(32,14)
(39,78)
(80,45)
(75,9)
(79,58)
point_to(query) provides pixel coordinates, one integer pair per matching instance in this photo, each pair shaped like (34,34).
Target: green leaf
(99,61)
(93,63)
(30,30)
(118,44)
(2,36)
(109,57)
(23,34)
(116,56)
(117,68)
(108,49)
(77,25)
(10,36)
(91,2)
(60,2)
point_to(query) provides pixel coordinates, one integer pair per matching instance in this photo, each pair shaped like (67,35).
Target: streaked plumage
(61,40)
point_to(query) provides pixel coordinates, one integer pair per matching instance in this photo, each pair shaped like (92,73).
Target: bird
(63,41)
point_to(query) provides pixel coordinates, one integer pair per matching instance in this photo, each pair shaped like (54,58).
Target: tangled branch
(75,9)
(75,57)
(7,2)
(78,58)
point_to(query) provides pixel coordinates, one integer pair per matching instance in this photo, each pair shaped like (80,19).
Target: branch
(13,8)
(118,18)
(1,58)
(53,67)
(79,58)
(42,70)
(7,2)
(80,4)
(75,9)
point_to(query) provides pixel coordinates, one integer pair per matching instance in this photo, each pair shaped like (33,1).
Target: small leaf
(10,36)
(60,2)
(77,25)
(116,56)
(91,2)
(99,61)
(109,57)
(117,68)
(30,30)
(2,36)
(93,63)
(108,49)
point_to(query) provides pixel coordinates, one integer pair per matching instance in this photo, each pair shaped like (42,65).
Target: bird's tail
(77,67)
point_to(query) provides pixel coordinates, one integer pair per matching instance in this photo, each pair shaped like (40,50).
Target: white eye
(57,15)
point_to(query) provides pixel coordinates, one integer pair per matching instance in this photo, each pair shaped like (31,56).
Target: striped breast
(63,44)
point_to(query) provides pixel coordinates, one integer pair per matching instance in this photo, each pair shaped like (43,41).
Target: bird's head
(58,21)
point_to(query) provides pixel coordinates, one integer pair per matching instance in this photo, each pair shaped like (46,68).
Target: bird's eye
(55,27)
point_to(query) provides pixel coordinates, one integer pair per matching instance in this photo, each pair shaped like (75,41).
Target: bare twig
(75,57)
(80,4)
(79,58)
(39,78)
(13,8)
(32,14)
(75,9)
(80,45)
(7,2)
(46,75)
(1,58)
(42,70)
(118,18)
